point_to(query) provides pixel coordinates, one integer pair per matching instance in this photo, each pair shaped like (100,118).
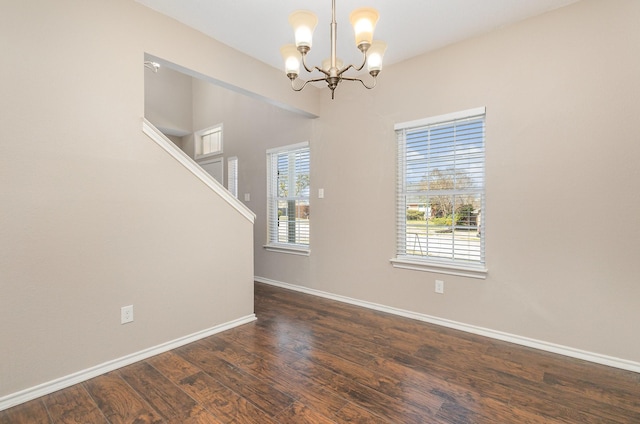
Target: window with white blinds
(232,175)
(288,198)
(208,142)
(212,142)
(441,186)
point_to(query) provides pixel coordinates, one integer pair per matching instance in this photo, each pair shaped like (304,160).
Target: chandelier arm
(345,69)
(359,68)
(364,61)
(305,83)
(375,81)
(304,63)
(323,71)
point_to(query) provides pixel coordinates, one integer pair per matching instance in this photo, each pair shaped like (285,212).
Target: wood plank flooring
(312,360)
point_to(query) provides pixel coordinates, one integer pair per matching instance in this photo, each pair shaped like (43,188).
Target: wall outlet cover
(126,314)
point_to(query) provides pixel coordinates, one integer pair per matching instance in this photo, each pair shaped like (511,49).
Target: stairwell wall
(94,215)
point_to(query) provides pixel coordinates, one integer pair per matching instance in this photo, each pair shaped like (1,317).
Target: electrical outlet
(126,314)
(440,286)
(247,197)
(320,193)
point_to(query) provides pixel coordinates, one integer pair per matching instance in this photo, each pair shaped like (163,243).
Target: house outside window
(441,194)
(288,208)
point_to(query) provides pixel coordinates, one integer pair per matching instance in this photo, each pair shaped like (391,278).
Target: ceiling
(410,27)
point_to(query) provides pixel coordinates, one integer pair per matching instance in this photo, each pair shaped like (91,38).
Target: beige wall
(167,101)
(94,215)
(562,95)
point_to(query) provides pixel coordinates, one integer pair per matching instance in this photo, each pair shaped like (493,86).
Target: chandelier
(304,23)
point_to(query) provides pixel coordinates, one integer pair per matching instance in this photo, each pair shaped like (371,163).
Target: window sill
(440,268)
(291,250)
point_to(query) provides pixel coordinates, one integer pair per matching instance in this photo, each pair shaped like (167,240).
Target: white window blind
(208,142)
(212,142)
(232,175)
(288,196)
(441,186)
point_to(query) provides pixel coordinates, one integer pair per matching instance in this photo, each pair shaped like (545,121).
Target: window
(440,208)
(209,141)
(232,175)
(288,199)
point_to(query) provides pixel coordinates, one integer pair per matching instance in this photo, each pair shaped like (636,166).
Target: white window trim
(441,118)
(292,249)
(433,265)
(288,147)
(198,142)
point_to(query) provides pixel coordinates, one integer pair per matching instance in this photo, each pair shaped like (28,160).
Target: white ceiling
(410,27)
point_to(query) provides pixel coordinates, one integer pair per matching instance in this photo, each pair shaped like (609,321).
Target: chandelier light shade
(375,55)
(364,21)
(304,22)
(291,59)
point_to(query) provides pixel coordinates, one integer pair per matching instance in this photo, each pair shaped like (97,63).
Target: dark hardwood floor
(312,360)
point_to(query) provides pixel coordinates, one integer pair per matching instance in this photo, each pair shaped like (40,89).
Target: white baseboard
(494,334)
(84,375)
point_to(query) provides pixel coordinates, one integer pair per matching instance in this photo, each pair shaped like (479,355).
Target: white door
(215,168)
